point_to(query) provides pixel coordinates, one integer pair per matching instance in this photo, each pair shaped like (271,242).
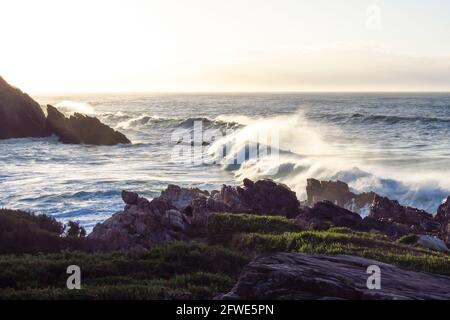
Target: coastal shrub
(355,243)
(222,226)
(75,230)
(195,286)
(23,232)
(174,271)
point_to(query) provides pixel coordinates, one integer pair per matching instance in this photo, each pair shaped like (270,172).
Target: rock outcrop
(392,229)
(416,220)
(20,115)
(383,214)
(325,212)
(142,225)
(339,193)
(295,276)
(179,212)
(82,129)
(264,197)
(443,218)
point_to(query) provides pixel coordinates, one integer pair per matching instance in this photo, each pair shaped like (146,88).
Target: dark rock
(144,225)
(20,115)
(191,201)
(392,229)
(269,198)
(443,218)
(248,183)
(327,212)
(338,193)
(82,129)
(418,221)
(130,197)
(180,212)
(295,276)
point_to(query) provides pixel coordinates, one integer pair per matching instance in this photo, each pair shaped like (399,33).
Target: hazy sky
(233,45)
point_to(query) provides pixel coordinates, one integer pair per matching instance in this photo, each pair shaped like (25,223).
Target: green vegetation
(175,271)
(222,226)
(22,232)
(354,243)
(180,270)
(409,239)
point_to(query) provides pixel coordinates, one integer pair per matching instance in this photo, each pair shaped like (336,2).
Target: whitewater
(394,144)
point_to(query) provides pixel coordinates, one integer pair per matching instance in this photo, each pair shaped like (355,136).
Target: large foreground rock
(310,277)
(20,115)
(82,129)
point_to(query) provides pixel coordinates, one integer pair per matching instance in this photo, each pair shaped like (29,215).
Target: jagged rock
(269,198)
(130,197)
(295,276)
(327,212)
(392,229)
(191,201)
(229,199)
(432,243)
(443,218)
(180,212)
(338,193)
(20,115)
(418,221)
(182,197)
(141,225)
(82,129)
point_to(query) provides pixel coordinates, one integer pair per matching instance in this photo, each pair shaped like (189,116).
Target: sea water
(397,145)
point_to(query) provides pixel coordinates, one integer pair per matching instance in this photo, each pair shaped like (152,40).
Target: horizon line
(235,92)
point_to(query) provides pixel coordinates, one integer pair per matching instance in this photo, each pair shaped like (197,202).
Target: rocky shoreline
(340,244)
(181,211)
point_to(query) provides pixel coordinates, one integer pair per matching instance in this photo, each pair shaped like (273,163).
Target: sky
(76,46)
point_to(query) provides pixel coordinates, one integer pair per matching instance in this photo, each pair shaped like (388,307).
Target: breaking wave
(303,153)
(70,107)
(149,121)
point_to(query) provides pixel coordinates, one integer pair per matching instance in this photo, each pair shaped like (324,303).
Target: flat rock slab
(297,276)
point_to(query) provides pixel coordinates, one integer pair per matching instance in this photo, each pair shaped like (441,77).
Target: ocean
(397,145)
